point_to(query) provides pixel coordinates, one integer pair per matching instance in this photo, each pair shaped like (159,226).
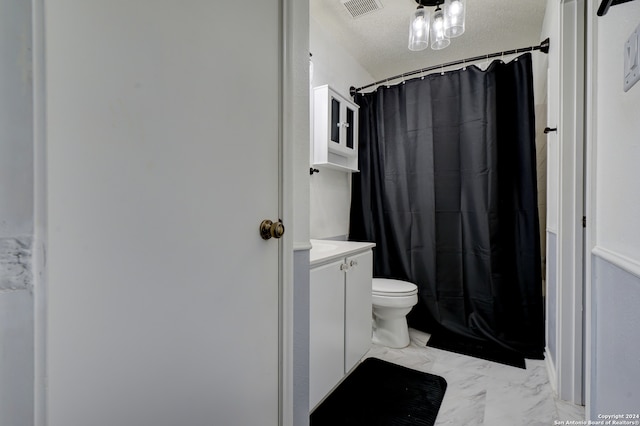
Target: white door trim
(590,190)
(570,341)
(288,104)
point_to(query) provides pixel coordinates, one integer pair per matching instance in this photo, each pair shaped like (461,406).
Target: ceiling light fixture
(443,24)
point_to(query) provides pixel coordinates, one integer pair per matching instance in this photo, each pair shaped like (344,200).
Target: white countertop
(323,251)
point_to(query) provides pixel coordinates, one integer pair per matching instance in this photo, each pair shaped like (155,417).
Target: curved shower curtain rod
(543,47)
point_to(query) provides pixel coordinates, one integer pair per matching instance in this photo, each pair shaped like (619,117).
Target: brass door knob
(269,229)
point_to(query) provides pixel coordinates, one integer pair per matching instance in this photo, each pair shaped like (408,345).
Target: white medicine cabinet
(335,130)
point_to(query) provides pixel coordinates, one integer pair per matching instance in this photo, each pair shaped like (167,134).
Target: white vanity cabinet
(339,317)
(335,130)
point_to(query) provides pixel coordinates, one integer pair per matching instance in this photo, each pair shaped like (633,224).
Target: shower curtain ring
(422,72)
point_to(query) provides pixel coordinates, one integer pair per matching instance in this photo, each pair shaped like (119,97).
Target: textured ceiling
(378,40)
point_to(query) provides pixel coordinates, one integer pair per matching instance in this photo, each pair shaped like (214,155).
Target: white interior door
(162,136)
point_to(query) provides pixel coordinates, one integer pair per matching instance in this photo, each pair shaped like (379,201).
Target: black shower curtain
(447,191)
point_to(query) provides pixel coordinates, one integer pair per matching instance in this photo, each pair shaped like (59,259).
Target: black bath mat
(378,393)
(484,350)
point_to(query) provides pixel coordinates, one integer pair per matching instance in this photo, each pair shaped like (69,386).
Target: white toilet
(392,301)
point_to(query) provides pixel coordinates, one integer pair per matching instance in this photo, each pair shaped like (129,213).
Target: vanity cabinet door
(326,330)
(357,308)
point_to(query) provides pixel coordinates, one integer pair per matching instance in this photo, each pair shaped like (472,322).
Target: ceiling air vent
(358,8)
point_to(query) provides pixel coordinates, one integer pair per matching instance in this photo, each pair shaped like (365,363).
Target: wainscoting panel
(615,369)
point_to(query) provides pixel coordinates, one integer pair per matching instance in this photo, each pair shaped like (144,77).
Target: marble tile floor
(482,392)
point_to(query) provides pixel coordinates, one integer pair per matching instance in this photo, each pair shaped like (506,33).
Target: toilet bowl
(392,301)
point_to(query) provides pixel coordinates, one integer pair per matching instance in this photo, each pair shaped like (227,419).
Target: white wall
(16,215)
(299,114)
(614,208)
(331,190)
(618,136)
(550,29)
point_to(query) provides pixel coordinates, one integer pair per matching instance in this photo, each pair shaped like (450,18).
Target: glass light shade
(454,11)
(438,38)
(419,29)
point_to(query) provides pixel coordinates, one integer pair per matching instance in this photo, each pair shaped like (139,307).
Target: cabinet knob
(344,267)
(353,263)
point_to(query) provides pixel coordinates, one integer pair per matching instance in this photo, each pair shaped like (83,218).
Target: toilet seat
(395,293)
(387,287)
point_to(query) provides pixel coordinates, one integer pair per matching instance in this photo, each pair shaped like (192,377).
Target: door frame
(287,103)
(571,275)
(590,194)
